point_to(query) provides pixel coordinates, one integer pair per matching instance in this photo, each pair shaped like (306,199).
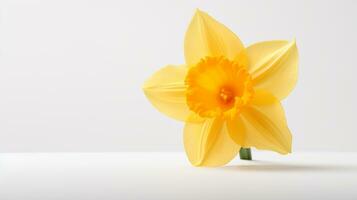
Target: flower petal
(274,66)
(208,143)
(207,37)
(166,90)
(262,125)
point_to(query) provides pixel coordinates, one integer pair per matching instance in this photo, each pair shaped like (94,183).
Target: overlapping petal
(274,66)
(262,125)
(208,143)
(166,91)
(207,37)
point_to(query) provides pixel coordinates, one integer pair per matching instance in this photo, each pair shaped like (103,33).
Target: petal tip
(196,164)
(292,43)
(287,150)
(145,86)
(200,15)
(198,11)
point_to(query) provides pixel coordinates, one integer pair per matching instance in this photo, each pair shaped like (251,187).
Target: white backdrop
(71,71)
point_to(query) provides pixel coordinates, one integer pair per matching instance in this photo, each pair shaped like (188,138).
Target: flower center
(217,86)
(226,96)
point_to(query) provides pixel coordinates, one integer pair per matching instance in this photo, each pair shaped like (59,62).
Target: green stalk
(245,154)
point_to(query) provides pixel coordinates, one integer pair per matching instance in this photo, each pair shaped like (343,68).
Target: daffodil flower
(227,95)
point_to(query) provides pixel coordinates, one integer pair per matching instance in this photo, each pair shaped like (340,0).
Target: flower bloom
(227,95)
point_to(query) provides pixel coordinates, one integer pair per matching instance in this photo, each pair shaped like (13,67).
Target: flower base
(245,154)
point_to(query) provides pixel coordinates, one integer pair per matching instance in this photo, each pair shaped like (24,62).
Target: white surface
(112,176)
(71,71)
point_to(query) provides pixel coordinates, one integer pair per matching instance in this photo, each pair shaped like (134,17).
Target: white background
(71,71)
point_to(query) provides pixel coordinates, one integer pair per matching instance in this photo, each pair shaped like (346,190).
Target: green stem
(245,154)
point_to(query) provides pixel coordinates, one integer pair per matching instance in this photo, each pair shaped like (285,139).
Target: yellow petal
(262,125)
(207,37)
(166,90)
(274,66)
(208,143)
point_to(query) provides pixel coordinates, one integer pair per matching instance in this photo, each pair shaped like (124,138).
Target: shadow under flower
(268,166)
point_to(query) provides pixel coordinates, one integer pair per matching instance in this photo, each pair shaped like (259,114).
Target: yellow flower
(228,95)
